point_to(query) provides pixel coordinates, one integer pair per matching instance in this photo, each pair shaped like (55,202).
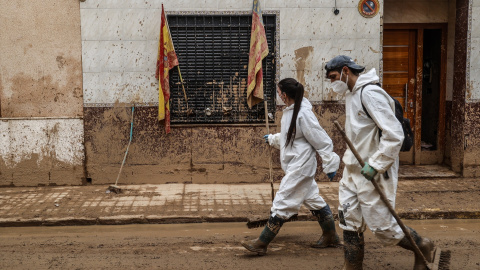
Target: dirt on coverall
(360,203)
(299,162)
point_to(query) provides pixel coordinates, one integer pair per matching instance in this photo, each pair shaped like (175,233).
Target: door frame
(436,156)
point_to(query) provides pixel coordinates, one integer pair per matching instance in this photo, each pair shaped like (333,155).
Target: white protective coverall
(299,162)
(360,203)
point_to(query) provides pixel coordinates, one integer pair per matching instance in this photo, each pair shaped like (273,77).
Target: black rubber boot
(424,244)
(260,244)
(354,249)
(329,236)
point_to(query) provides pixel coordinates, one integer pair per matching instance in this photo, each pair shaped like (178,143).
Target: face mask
(340,87)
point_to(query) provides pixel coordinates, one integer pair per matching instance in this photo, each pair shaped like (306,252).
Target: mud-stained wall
(120,40)
(217,154)
(459,85)
(41,152)
(41,99)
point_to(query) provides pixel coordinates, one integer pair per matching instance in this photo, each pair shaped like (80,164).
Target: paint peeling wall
(119,48)
(41,99)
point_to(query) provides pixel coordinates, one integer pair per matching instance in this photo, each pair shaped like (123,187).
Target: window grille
(213,54)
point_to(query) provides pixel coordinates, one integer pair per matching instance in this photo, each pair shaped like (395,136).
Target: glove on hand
(331,175)
(266,138)
(368,171)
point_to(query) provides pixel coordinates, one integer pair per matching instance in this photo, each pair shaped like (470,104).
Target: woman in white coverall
(301,137)
(360,203)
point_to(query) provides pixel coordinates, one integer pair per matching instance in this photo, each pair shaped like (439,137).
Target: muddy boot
(424,244)
(329,236)
(260,244)
(354,248)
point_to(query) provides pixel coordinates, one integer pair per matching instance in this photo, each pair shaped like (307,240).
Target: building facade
(70,74)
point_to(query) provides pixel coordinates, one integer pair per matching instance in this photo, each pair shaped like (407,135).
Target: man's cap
(342,60)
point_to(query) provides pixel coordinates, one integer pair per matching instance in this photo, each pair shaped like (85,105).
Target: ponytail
(294,90)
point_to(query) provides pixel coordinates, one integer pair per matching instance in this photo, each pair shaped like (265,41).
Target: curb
(154,219)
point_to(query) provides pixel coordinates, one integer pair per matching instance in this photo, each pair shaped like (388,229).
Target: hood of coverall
(305,105)
(369,77)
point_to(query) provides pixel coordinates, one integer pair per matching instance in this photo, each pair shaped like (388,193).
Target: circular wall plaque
(368,8)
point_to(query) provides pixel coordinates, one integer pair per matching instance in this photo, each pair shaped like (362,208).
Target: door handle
(406,96)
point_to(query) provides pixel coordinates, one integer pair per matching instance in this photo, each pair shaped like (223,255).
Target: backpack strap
(366,112)
(361,101)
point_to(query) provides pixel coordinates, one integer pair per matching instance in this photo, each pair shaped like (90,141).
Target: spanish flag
(258,51)
(166,60)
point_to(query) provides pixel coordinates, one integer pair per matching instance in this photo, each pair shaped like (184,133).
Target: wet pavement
(192,203)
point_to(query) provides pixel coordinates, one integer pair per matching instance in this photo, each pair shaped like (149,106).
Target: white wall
(120,40)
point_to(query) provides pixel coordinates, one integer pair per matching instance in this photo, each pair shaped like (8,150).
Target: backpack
(405,122)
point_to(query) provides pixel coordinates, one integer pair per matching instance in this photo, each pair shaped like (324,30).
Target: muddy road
(215,246)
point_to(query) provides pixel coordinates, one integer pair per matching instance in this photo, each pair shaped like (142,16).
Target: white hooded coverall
(299,162)
(360,203)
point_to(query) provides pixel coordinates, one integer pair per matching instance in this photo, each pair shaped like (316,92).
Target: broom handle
(126,152)
(183,87)
(269,149)
(382,195)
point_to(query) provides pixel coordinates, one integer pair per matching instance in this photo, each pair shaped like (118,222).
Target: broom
(115,188)
(439,259)
(260,222)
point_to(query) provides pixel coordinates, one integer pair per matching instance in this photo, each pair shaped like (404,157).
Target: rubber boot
(329,236)
(424,244)
(354,249)
(260,244)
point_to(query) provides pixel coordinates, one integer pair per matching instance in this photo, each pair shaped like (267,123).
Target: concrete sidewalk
(182,203)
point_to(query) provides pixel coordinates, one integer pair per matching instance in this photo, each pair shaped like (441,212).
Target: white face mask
(340,87)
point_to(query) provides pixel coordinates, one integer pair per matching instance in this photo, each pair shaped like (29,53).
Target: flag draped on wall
(258,51)
(166,60)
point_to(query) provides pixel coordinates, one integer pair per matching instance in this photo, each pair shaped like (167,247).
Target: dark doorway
(431,88)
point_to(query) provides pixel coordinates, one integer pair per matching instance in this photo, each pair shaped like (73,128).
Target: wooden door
(409,78)
(399,72)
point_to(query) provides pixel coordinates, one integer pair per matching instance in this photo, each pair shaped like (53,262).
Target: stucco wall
(120,40)
(41,100)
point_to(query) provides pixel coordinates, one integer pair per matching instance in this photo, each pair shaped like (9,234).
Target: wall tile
(91,85)
(474,85)
(475,55)
(475,28)
(91,56)
(134,24)
(101,24)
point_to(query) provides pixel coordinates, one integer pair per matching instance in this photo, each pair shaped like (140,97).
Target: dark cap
(342,60)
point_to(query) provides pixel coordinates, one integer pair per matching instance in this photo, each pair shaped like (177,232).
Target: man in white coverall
(301,137)
(378,140)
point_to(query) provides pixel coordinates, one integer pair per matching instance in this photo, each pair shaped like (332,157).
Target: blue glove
(266,138)
(368,171)
(331,175)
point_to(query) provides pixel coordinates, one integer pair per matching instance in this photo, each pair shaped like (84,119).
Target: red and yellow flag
(258,51)
(166,60)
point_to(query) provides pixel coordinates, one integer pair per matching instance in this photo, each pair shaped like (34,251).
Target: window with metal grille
(213,54)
